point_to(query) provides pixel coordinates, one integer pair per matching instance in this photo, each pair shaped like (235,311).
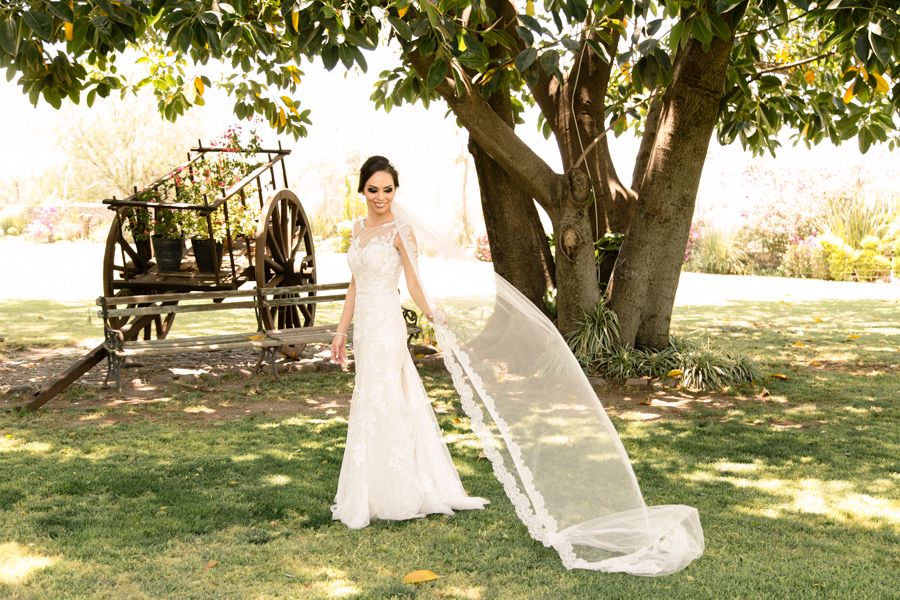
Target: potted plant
(168,239)
(207,245)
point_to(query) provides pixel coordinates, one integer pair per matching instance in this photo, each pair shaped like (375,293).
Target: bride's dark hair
(376,164)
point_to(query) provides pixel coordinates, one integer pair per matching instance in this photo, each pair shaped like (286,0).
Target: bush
(715,252)
(805,259)
(13,219)
(846,263)
(771,230)
(853,218)
(839,255)
(345,231)
(595,343)
(870,264)
(597,334)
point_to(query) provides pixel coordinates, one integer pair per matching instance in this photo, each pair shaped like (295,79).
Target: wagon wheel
(129,257)
(285,256)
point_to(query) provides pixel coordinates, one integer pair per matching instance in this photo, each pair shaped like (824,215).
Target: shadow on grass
(838,331)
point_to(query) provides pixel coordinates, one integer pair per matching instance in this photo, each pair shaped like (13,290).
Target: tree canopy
(822,69)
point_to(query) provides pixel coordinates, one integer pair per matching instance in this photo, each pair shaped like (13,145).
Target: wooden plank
(58,385)
(231,337)
(177,308)
(313,329)
(181,297)
(294,289)
(303,300)
(199,348)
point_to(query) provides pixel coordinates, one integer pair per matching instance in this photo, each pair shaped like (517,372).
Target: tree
(674,70)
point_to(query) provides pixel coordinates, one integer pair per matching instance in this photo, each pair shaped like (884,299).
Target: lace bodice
(373,259)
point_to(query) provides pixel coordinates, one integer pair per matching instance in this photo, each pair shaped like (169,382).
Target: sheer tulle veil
(550,443)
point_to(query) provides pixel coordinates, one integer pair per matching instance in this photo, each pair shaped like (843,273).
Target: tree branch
(787,66)
(775,26)
(492,133)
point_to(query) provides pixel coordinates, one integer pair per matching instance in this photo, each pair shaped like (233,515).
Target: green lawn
(797,489)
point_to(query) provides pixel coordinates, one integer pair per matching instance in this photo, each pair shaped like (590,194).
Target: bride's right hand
(339,349)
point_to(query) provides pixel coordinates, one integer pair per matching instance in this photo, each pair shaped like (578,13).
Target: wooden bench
(159,306)
(267,341)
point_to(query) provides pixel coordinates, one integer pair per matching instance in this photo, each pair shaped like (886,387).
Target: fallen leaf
(420,576)
(799,344)
(211,564)
(256,337)
(9,436)
(853,336)
(456,420)
(781,376)
(763,393)
(815,363)
(818,319)
(675,373)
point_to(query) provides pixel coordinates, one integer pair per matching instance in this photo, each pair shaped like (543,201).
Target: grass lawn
(222,490)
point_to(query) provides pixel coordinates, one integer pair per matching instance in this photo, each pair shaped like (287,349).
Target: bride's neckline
(367,226)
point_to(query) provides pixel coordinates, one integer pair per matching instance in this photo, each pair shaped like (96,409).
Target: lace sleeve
(408,238)
(357,227)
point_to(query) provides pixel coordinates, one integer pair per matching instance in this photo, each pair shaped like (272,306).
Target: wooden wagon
(279,253)
(276,252)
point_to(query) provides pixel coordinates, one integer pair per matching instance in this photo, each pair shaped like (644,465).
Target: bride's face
(379,191)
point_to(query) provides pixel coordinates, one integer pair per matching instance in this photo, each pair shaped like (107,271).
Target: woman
(538,419)
(396,465)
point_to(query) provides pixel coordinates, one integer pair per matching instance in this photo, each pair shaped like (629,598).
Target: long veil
(551,444)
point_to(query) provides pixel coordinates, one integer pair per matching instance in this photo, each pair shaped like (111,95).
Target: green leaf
(402,29)
(525,59)
(719,26)
(550,61)
(599,50)
(862,47)
(880,45)
(61,10)
(329,57)
(701,31)
(436,73)
(40,23)
(9,36)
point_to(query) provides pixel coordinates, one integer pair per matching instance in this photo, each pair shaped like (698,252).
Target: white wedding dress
(396,465)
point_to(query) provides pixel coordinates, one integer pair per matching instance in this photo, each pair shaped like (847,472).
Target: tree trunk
(649,265)
(519,247)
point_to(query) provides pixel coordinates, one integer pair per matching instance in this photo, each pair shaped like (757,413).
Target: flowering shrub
(483,248)
(805,259)
(771,230)
(43,222)
(204,181)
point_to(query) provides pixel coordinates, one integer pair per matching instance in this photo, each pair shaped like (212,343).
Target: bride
(396,465)
(550,443)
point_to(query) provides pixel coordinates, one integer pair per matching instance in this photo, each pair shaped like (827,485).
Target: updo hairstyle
(376,164)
